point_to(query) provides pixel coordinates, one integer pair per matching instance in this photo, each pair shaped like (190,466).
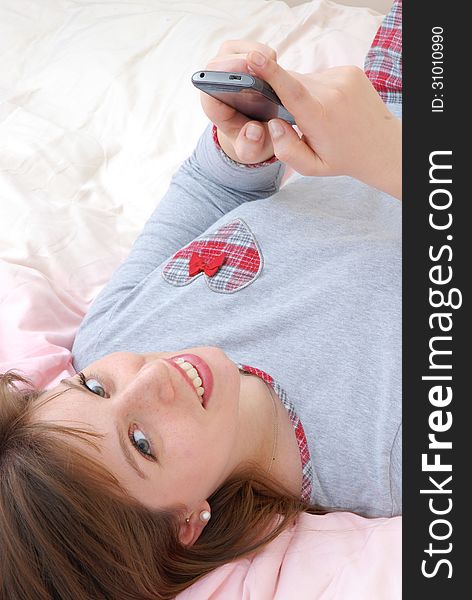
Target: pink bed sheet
(332,557)
(37,326)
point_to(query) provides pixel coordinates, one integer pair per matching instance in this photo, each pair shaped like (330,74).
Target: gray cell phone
(249,95)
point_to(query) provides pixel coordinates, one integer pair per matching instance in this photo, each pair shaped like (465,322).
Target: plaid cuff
(255,165)
(383,64)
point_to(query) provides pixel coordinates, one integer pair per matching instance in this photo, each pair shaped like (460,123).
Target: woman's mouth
(198,373)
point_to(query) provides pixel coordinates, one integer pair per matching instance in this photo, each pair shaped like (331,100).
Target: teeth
(192,373)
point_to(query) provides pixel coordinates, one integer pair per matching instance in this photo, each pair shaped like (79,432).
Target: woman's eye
(139,441)
(95,387)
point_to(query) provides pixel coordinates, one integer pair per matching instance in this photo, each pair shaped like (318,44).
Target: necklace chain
(276,423)
(276,430)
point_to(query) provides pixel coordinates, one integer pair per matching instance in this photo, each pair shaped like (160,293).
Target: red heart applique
(228,255)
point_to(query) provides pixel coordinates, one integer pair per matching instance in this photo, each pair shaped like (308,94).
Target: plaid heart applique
(228,258)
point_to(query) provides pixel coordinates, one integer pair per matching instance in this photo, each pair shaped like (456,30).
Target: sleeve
(207,185)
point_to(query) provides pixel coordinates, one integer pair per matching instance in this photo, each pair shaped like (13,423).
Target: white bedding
(97,112)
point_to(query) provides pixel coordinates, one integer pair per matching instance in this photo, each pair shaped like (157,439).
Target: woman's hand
(244,140)
(346,127)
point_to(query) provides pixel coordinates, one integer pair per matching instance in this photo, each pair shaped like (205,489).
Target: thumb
(293,94)
(292,150)
(253,144)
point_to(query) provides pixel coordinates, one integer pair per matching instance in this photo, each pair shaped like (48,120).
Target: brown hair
(69,530)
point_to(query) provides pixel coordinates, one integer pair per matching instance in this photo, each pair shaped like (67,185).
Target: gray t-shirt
(310,293)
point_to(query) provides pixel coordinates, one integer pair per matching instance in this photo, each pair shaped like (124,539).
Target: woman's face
(164,445)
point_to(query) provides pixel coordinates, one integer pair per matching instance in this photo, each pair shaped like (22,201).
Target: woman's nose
(151,385)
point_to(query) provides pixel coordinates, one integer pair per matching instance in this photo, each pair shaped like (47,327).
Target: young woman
(279,387)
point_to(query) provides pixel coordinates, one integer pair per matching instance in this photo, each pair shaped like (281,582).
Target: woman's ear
(192,526)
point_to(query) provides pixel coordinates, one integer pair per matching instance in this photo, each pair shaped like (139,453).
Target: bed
(96,113)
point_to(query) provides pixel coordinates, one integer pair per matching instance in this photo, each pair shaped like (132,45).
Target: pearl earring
(205,515)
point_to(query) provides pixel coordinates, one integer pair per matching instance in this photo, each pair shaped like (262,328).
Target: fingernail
(257,58)
(253,132)
(276,129)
